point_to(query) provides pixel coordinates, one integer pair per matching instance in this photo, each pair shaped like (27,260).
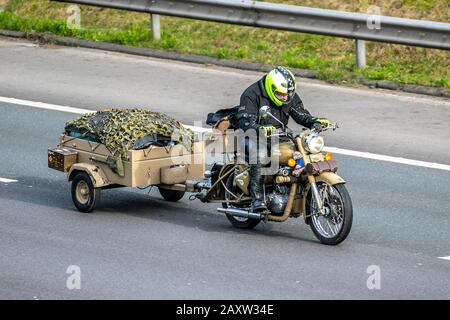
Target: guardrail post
(156,27)
(360,53)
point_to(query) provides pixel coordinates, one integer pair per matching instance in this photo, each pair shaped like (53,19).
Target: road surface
(137,246)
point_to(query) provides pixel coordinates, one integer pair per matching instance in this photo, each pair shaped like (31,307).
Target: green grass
(332,58)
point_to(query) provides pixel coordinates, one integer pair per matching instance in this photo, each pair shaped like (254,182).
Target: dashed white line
(7,180)
(359,154)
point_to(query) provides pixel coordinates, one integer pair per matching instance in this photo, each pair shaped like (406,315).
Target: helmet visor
(284,97)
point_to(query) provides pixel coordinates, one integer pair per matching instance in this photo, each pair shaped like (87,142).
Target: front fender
(330,178)
(326,177)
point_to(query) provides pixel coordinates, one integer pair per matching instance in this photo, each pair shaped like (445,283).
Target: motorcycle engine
(277,199)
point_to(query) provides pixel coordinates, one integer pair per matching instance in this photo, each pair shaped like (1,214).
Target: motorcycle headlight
(314,144)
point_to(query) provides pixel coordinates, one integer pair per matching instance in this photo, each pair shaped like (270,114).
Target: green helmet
(280,86)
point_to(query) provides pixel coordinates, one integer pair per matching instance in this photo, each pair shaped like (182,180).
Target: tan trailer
(90,167)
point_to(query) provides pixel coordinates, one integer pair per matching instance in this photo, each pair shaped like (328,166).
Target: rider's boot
(256,189)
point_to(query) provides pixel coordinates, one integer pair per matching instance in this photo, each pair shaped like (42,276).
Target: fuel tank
(284,150)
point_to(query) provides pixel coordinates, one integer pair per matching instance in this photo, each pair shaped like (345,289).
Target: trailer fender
(97,175)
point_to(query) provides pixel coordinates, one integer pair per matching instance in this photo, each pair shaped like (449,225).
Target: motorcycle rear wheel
(333,227)
(237,222)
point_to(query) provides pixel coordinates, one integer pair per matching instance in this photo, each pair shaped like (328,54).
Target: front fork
(311,179)
(315,193)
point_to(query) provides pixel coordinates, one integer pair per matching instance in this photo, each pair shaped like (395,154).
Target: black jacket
(255,96)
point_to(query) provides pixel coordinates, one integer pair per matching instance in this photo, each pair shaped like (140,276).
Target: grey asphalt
(136,246)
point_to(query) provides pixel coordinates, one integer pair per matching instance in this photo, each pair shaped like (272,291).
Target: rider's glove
(267,130)
(324,122)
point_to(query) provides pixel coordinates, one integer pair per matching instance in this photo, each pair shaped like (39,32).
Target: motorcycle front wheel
(237,222)
(333,225)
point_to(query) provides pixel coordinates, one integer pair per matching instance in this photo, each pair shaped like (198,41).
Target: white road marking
(380,157)
(445,258)
(47,106)
(358,154)
(42,105)
(7,180)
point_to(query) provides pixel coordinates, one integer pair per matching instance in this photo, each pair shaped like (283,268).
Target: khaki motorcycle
(305,185)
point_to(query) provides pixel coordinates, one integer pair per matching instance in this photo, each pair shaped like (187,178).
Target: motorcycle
(305,184)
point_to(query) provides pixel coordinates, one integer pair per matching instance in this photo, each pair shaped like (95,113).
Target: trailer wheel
(84,195)
(171,195)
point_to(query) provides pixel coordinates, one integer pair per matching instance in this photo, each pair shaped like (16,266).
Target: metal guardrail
(294,18)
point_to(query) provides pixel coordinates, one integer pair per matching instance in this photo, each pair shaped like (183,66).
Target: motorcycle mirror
(263,111)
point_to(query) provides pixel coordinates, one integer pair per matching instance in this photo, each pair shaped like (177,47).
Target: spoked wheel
(84,195)
(333,225)
(238,222)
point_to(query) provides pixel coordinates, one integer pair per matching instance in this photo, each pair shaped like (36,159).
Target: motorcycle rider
(276,89)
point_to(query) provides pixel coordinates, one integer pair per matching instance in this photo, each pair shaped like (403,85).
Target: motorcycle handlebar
(332,126)
(289,132)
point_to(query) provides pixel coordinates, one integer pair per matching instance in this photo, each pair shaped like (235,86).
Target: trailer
(91,168)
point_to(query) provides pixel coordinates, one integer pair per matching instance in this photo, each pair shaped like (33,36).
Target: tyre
(237,222)
(171,195)
(84,195)
(332,227)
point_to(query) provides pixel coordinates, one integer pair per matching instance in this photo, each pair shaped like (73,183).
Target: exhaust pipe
(241,213)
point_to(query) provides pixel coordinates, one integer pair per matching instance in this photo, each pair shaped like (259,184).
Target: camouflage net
(121,130)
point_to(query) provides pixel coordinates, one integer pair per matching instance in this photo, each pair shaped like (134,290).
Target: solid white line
(7,180)
(380,157)
(47,106)
(359,154)
(444,258)
(42,105)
